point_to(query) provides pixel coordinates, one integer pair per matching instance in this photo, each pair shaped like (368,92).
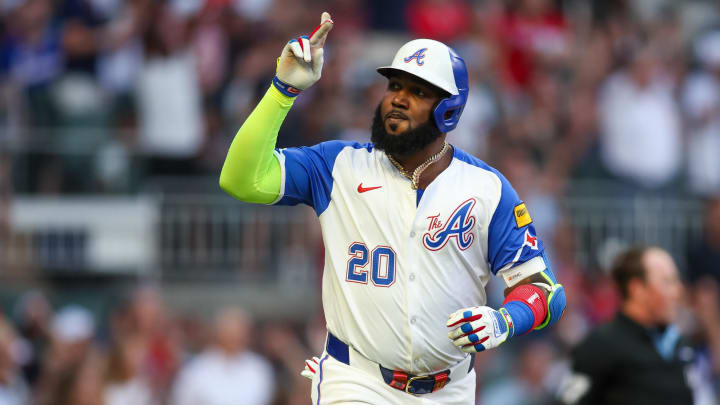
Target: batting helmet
(441,66)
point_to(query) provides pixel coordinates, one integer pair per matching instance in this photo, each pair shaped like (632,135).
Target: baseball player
(413,229)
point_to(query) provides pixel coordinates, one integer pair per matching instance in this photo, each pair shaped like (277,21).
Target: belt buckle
(410,380)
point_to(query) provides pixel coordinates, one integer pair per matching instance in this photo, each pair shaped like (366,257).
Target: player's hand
(300,64)
(479,328)
(311,368)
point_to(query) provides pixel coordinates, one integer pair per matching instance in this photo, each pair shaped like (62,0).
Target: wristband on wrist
(285,88)
(527,306)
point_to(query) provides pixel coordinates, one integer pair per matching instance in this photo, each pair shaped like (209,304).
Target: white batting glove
(300,64)
(479,328)
(311,368)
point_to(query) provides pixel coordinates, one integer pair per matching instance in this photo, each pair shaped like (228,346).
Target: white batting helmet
(441,66)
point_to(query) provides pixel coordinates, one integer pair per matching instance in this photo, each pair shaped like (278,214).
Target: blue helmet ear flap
(447,112)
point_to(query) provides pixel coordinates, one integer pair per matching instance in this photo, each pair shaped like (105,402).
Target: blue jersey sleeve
(511,236)
(307,174)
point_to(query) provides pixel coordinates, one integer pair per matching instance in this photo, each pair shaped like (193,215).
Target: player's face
(407,104)
(663,286)
(403,122)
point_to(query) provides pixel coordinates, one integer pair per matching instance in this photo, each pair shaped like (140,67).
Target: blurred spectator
(226,373)
(33,314)
(639,357)
(144,352)
(72,368)
(169,95)
(124,382)
(13,388)
(77,94)
(83,108)
(156,337)
(701,102)
(640,124)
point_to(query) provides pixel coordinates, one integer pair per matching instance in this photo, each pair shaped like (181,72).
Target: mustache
(408,142)
(396,114)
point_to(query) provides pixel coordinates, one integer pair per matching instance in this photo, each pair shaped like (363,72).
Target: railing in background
(214,238)
(603,225)
(78,234)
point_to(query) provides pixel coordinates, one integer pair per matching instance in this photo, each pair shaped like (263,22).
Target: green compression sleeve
(251,171)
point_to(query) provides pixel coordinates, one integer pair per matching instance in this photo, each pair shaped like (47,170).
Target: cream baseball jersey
(398,261)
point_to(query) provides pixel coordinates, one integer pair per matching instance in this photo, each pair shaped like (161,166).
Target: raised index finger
(317,37)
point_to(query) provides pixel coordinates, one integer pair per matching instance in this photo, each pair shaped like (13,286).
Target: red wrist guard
(532,296)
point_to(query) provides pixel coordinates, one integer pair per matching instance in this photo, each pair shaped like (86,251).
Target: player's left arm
(533,297)
(533,303)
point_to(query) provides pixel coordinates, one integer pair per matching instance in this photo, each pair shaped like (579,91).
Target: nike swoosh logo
(362,189)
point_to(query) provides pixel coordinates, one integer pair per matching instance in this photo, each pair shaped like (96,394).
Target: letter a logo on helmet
(419,55)
(441,66)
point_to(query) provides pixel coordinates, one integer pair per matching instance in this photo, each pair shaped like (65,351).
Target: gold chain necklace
(415,176)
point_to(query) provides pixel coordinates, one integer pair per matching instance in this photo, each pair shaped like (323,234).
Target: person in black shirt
(639,357)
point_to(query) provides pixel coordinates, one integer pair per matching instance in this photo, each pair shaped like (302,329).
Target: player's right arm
(252,171)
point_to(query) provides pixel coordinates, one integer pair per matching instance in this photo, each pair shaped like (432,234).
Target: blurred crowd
(105,96)
(141,353)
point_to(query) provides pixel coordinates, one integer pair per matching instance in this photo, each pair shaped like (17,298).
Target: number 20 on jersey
(382,265)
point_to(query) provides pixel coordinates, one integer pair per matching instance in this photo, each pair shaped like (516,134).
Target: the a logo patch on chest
(459,226)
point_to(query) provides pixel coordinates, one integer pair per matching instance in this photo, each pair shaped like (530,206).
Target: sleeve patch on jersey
(522,216)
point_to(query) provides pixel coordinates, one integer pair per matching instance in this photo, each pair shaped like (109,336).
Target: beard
(405,143)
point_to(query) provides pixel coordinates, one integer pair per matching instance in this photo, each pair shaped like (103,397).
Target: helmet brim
(388,71)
